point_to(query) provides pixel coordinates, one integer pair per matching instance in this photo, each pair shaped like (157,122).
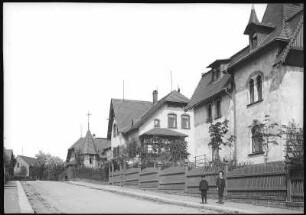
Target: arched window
(185,121)
(172,122)
(156,123)
(256,140)
(259,87)
(251,85)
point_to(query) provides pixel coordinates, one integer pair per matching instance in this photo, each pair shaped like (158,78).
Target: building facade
(267,79)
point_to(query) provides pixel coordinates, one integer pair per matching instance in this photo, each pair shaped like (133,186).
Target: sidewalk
(227,207)
(15,199)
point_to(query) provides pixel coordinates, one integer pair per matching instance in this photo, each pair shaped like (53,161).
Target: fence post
(225,177)
(139,166)
(159,169)
(186,173)
(289,184)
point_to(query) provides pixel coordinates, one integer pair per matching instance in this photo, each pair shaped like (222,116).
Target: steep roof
(173,96)
(8,153)
(125,112)
(102,144)
(281,18)
(164,132)
(89,146)
(206,88)
(29,160)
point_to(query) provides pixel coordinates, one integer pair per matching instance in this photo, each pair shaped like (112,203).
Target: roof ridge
(291,42)
(130,100)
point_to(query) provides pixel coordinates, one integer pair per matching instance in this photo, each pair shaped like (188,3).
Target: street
(62,197)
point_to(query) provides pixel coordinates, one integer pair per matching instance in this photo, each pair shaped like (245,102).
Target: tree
(167,150)
(79,157)
(178,151)
(23,171)
(217,133)
(41,164)
(268,134)
(293,135)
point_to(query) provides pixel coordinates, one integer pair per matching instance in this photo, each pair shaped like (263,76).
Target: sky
(62,60)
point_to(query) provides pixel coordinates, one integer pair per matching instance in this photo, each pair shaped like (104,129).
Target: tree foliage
(217,132)
(165,150)
(269,133)
(294,136)
(46,163)
(79,158)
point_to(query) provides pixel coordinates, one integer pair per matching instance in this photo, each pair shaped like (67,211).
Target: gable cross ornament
(88,114)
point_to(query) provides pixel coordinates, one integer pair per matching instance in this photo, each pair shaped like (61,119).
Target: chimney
(155,97)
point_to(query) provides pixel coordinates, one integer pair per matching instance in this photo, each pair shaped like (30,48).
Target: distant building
(92,151)
(28,163)
(142,119)
(266,77)
(9,165)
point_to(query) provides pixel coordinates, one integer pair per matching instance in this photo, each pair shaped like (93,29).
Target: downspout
(235,127)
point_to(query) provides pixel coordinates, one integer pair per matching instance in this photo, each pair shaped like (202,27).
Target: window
(251,85)
(209,113)
(156,123)
(172,123)
(90,160)
(18,165)
(218,109)
(259,87)
(217,73)
(185,121)
(254,41)
(115,131)
(256,140)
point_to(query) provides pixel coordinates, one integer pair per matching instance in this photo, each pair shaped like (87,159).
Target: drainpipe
(235,125)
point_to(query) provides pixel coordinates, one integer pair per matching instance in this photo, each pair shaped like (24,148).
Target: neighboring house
(164,118)
(266,77)
(122,114)
(211,102)
(28,163)
(92,151)
(9,163)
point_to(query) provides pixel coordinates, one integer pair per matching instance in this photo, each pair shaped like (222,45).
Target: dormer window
(156,123)
(253,41)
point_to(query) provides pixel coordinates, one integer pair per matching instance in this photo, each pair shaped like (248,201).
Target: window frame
(158,124)
(175,120)
(209,112)
(218,110)
(255,141)
(259,87)
(188,121)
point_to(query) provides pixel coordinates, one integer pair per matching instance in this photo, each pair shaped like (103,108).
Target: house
(24,166)
(264,78)
(9,163)
(166,117)
(92,151)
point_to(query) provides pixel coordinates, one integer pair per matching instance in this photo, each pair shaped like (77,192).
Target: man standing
(220,187)
(203,186)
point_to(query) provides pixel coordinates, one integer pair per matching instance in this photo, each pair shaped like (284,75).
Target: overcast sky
(62,60)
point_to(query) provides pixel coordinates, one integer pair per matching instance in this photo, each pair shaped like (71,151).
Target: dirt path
(36,199)
(62,197)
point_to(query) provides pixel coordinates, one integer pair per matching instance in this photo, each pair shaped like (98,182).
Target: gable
(124,111)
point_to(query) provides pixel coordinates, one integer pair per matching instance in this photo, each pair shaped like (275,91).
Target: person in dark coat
(203,187)
(220,186)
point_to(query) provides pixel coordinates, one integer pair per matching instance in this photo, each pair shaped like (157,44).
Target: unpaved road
(62,197)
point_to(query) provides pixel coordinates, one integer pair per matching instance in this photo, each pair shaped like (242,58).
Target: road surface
(62,197)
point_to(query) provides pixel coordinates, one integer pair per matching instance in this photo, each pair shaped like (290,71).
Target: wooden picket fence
(262,182)
(259,181)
